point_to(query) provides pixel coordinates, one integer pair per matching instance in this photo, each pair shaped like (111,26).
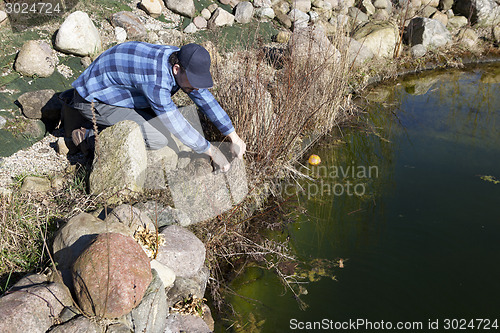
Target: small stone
(166,275)
(206,14)
(86,61)
(457,21)
(264,13)
(120,34)
(212,8)
(191,28)
(441,17)
(3,16)
(200,22)
(221,18)
(244,12)
(418,51)
(152,7)
(62,148)
(131,23)
(3,121)
(35,184)
(283,37)
(181,7)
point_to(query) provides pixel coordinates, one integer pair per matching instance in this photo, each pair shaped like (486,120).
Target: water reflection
(420,241)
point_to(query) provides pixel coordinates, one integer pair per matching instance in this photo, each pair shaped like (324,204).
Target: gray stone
(357,15)
(481,12)
(181,7)
(496,34)
(78,325)
(418,51)
(35,184)
(200,22)
(32,305)
(184,287)
(457,21)
(182,251)
(467,37)
(428,11)
(131,23)
(262,3)
(36,58)
(177,322)
(380,38)
(163,216)
(78,35)
(119,328)
(430,3)
(166,274)
(111,276)
(441,17)
(445,5)
(86,61)
(198,192)
(3,121)
(120,34)
(34,129)
(382,4)
(206,14)
(191,28)
(428,32)
(367,7)
(131,217)
(150,316)
(264,13)
(244,12)
(302,5)
(119,166)
(41,104)
(283,19)
(298,16)
(357,52)
(152,7)
(77,234)
(220,18)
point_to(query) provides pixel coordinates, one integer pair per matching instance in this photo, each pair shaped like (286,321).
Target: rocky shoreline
(143,253)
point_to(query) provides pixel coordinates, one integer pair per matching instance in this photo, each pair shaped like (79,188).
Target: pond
(418,235)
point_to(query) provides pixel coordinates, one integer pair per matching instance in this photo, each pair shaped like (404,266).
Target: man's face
(182,80)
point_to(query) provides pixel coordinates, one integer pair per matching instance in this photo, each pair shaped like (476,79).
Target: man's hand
(218,158)
(238,147)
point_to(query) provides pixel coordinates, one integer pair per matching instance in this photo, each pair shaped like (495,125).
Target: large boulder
(160,162)
(111,276)
(120,161)
(130,216)
(36,58)
(357,52)
(41,104)
(427,32)
(77,234)
(163,216)
(150,316)
(32,305)
(379,37)
(177,322)
(181,7)
(481,12)
(131,23)
(78,35)
(79,324)
(311,43)
(182,251)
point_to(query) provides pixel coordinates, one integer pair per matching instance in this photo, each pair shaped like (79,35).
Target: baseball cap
(195,59)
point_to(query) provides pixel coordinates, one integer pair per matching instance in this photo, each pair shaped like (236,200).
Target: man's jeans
(154,132)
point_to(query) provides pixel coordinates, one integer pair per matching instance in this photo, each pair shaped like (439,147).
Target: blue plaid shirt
(138,75)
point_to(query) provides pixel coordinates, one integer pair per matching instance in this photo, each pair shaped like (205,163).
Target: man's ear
(176,69)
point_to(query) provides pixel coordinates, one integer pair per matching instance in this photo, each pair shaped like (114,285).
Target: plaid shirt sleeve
(211,108)
(174,121)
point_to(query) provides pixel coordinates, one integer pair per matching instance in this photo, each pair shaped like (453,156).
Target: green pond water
(420,238)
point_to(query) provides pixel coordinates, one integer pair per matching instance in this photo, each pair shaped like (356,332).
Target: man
(135,81)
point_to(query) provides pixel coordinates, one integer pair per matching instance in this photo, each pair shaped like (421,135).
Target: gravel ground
(39,159)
